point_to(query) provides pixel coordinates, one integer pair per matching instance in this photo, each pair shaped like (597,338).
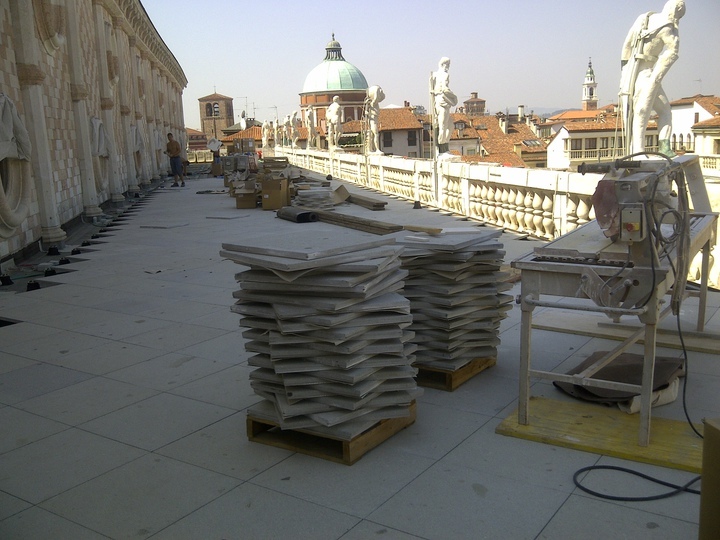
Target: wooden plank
(608,431)
(448,380)
(326,446)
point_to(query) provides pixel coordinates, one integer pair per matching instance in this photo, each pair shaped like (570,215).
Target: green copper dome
(334,73)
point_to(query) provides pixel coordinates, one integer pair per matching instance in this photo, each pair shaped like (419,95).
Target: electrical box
(632,222)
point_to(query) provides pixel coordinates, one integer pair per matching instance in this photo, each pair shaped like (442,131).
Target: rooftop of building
(124,389)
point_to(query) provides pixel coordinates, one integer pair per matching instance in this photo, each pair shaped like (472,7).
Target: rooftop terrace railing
(542,203)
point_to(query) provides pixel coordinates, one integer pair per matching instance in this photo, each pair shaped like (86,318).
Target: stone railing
(538,202)
(542,203)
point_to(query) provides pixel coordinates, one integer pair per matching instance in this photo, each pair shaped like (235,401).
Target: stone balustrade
(541,203)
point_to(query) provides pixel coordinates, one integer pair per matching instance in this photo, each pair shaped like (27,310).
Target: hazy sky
(511,52)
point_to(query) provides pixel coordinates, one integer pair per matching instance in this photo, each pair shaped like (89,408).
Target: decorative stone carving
(50,23)
(30,74)
(15,181)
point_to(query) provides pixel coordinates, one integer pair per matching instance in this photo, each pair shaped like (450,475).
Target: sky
(511,52)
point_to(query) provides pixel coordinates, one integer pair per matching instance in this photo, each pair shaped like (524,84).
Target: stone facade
(96,91)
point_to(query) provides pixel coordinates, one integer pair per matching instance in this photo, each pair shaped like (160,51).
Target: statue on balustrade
(650,48)
(334,123)
(310,124)
(442,100)
(375,95)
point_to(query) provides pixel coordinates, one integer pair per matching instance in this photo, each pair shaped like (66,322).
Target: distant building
(196,140)
(334,76)
(216,114)
(474,106)
(696,124)
(589,95)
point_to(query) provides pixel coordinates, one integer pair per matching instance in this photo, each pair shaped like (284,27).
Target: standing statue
(265,133)
(443,98)
(277,132)
(287,130)
(650,48)
(334,125)
(375,95)
(294,133)
(310,124)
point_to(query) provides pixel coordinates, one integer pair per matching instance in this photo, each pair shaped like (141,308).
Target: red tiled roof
(254,132)
(710,123)
(398,118)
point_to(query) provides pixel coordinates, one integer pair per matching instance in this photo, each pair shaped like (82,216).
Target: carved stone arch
(15,173)
(50,22)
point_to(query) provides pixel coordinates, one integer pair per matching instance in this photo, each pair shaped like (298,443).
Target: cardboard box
(216,169)
(275,193)
(710,492)
(243,186)
(246,200)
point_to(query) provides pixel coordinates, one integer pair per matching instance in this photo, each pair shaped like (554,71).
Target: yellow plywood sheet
(598,325)
(607,431)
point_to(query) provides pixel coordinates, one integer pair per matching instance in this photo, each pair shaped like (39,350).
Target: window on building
(697,117)
(690,147)
(591,144)
(387,139)
(649,141)
(470,152)
(216,109)
(575,144)
(604,142)
(208,110)
(412,154)
(412,138)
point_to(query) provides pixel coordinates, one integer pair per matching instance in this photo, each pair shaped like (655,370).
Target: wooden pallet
(445,379)
(324,446)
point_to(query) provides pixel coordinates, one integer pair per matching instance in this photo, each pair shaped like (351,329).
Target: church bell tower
(589,98)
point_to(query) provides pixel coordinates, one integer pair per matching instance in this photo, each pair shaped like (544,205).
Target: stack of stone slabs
(329,325)
(456,292)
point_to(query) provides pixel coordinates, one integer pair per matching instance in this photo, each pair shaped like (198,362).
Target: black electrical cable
(677,489)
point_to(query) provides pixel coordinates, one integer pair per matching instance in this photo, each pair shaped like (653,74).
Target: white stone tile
(175,337)
(59,462)
(36,523)
(227,388)
(228,348)
(357,490)
(581,518)
(50,347)
(168,371)
(117,326)
(260,513)
(36,380)
(223,447)
(450,501)
(85,400)
(141,497)
(180,311)
(9,506)
(367,529)
(18,428)
(156,421)
(11,362)
(436,431)
(551,466)
(108,357)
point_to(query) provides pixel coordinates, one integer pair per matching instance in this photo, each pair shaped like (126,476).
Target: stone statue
(310,124)
(294,133)
(265,133)
(650,48)
(375,95)
(334,126)
(443,99)
(287,130)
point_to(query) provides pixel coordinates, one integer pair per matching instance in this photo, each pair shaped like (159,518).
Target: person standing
(174,151)
(650,48)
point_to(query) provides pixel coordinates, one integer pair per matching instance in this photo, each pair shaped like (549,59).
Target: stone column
(125,110)
(108,68)
(31,77)
(79,95)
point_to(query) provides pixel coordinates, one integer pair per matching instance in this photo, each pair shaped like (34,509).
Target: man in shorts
(173,151)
